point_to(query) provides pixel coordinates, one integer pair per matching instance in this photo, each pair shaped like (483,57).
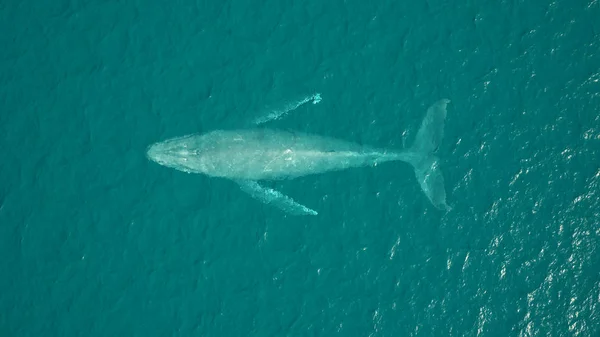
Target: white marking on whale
(247,156)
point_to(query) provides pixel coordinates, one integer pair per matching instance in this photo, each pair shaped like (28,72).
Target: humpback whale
(247,156)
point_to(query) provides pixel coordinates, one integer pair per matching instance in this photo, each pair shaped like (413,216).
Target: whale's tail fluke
(424,161)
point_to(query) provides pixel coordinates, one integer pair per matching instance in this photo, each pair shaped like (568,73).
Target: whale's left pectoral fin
(273,197)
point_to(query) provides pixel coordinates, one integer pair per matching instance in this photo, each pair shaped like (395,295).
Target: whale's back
(276,154)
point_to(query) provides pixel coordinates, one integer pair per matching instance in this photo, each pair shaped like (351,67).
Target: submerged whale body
(247,156)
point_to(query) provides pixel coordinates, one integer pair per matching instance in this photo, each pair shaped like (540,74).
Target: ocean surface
(96,240)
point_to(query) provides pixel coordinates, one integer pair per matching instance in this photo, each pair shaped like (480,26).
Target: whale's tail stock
(423,158)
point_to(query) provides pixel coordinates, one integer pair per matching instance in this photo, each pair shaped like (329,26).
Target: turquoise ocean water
(95,240)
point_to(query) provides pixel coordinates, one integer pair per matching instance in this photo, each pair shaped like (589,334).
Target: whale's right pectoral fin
(276,113)
(275,198)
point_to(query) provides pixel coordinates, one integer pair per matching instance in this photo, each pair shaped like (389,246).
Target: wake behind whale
(247,156)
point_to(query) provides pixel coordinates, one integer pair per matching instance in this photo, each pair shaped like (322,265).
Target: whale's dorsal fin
(274,114)
(273,197)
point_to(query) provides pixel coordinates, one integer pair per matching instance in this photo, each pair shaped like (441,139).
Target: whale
(249,156)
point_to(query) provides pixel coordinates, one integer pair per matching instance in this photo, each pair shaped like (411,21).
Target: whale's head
(177,153)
